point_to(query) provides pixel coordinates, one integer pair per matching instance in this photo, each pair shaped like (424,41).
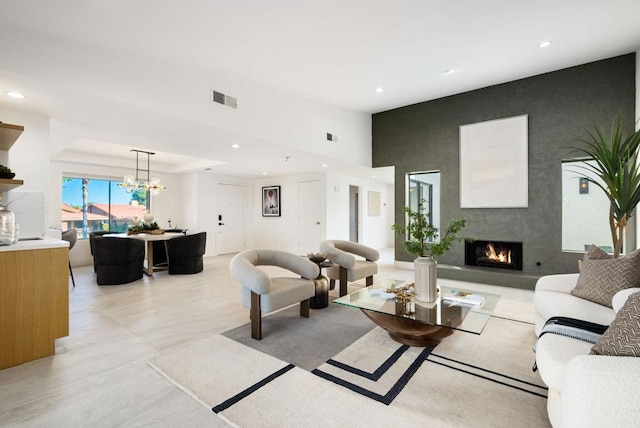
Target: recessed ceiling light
(324,165)
(235,146)
(15,94)
(264,173)
(544,44)
(379,90)
(450,71)
(373,176)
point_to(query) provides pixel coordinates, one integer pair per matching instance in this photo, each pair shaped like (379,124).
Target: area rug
(466,381)
(306,342)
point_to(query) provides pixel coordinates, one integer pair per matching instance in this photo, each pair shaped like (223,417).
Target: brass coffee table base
(408,331)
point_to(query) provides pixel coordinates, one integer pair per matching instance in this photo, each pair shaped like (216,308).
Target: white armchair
(262,293)
(343,253)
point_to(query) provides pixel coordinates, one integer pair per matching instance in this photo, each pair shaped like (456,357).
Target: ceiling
(67,56)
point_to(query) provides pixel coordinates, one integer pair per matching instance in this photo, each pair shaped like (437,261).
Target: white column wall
(374,231)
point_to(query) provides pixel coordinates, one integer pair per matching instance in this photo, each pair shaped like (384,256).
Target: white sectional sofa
(584,390)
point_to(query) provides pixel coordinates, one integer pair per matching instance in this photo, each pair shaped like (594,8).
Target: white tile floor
(99,375)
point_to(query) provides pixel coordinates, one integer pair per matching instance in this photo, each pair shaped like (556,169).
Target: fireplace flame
(502,256)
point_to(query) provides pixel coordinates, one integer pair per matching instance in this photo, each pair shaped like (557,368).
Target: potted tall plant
(614,160)
(420,237)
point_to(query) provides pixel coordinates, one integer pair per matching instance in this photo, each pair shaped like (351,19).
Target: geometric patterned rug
(467,380)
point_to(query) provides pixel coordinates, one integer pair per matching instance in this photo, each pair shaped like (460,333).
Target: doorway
(230,235)
(310,216)
(354,213)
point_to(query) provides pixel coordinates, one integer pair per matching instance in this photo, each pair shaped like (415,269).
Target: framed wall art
(271,201)
(494,164)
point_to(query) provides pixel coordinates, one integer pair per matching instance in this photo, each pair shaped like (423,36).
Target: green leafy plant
(419,232)
(616,165)
(146,224)
(5,169)
(143,227)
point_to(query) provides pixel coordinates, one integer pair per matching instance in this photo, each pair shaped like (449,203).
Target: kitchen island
(34,299)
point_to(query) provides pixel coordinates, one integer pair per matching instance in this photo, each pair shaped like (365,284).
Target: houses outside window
(91,205)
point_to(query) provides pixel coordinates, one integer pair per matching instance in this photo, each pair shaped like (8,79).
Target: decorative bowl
(7,175)
(317,257)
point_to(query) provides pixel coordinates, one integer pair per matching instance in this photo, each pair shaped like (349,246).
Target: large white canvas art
(494,164)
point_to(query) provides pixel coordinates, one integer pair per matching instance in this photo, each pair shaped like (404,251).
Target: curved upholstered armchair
(185,253)
(263,293)
(343,253)
(118,260)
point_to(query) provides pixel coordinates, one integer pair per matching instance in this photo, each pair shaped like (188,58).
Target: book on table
(463,297)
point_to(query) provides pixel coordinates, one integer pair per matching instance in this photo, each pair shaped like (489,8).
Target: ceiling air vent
(226,100)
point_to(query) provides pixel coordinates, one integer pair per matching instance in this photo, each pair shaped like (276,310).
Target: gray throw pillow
(602,276)
(622,338)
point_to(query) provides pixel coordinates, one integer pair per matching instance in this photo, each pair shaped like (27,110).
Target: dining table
(148,238)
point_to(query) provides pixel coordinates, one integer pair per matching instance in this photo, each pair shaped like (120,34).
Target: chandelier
(131,184)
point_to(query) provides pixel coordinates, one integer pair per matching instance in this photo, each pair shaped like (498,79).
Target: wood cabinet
(34,302)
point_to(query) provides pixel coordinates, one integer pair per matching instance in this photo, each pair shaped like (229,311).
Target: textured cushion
(601,278)
(284,292)
(361,269)
(622,338)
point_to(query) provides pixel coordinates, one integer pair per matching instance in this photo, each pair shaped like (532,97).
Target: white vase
(425,279)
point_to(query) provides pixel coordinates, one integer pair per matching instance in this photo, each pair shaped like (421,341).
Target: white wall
(139,104)
(29,156)
(277,232)
(374,231)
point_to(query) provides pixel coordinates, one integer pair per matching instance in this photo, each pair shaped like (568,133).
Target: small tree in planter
(420,234)
(617,166)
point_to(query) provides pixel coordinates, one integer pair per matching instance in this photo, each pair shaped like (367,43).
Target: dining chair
(185,253)
(71,236)
(118,260)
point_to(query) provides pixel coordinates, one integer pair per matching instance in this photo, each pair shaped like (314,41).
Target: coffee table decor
(391,304)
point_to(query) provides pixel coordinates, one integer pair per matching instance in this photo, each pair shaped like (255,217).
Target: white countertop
(38,244)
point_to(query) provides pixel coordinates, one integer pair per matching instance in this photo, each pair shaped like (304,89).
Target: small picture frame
(271,201)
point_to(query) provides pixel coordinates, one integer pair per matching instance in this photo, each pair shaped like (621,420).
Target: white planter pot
(425,279)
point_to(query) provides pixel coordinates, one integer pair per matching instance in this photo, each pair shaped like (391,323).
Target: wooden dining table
(148,238)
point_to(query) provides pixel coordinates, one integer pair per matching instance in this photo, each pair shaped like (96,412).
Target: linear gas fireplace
(494,254)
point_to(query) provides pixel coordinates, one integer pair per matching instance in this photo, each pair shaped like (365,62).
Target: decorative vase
(425,279)
(7,226)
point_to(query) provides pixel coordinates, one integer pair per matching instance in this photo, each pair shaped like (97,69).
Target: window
(90,205)
(585,210)
(425,187)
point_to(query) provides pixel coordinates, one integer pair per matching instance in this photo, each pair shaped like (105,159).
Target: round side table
(321,298)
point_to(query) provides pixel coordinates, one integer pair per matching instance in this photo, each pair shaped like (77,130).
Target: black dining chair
(185,253)
(118,260)
(71,236)
(92,237)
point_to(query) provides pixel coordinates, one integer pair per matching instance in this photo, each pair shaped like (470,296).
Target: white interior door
(230,218)
(311,209)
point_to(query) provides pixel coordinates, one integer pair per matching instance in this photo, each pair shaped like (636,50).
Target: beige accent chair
(262,293)
(343,253)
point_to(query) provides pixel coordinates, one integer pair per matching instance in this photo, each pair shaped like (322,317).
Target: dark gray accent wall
(561,105)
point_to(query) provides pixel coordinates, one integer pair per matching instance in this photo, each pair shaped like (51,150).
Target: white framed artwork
(494,169)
